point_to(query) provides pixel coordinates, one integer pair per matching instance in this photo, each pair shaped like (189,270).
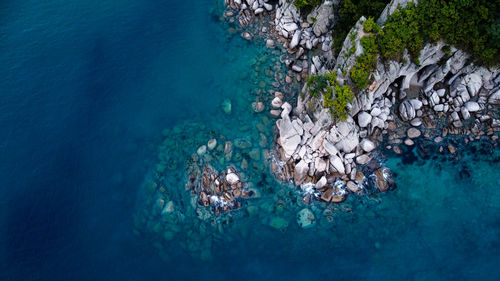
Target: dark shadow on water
(42,218)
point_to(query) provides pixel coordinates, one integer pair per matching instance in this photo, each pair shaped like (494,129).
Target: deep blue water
(86,90)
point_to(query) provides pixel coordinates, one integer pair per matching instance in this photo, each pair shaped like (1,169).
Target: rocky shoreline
(211,185)
(445,94)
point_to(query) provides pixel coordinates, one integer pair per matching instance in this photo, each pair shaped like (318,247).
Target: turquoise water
(94,91)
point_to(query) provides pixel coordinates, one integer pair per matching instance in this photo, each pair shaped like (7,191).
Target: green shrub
(328,98)
(316,84)
(365,63)
(370,26)
(360,77)
(446,50)
(472,25)
(337,104)
(349,11)
(344,96)
(306,6)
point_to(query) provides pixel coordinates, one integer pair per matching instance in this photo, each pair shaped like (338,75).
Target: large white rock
(494,98)
(474,83)
(375,112)
(347,144)
(295,39)
(363,159)
(321,183)
(434,98)
(300,172)
(276,102)
(290,27)
(417,104)
(364,118)
(287,108)
(322,23)
(320,164)
(438,107)
(472,106)
(297,68)
(337,164)
(406,110)
(318,140)
(290,145)
(289,138)
(465,113)
(343,128)
(232,178)
(330,148)
(367,145)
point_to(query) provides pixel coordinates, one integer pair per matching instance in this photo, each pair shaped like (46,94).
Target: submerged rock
(383,179)
(305,218)
(201,150)
(269,43)
(258,106)
(278,223)
(226,106)
(212,144)
(413,133)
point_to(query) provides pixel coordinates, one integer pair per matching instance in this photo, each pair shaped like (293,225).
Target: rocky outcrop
(442,85)
(325,157)
(222,191)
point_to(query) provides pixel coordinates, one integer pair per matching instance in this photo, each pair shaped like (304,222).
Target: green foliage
(344,96)
(360,77)
(371,26)
(360,73)
(494,32)
(446,50)
(316,84)
(349,11)
(332,78)
(328,98)
(336,103)
(472,25)
(401,31)
(306,6)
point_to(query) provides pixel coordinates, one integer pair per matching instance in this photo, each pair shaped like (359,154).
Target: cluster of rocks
(222,191)
(294,33)
(307,33)
(288,22)
(326,159)
(344,146)
(248,8)
(316,151)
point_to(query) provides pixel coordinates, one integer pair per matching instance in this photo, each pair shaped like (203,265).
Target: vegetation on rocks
(336,102)
(349,11)
(360,73)
(306,6)
(316,84)
(473,25)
